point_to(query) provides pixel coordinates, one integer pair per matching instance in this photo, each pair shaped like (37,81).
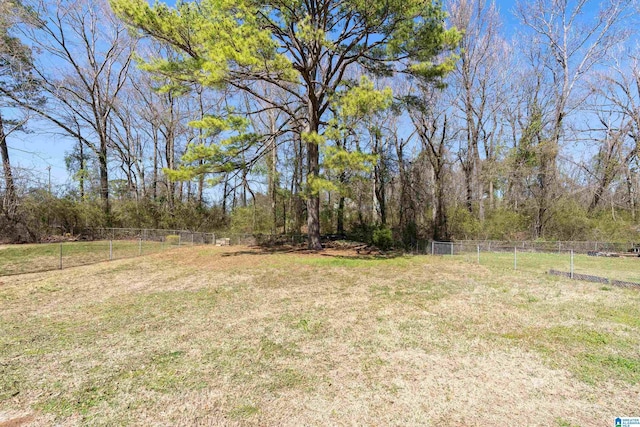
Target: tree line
(420,118)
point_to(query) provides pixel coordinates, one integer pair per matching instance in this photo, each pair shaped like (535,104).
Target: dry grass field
(236,336)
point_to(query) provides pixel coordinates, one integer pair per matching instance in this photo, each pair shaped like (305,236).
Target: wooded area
(407,118)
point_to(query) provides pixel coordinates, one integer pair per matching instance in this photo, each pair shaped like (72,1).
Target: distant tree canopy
(373,120)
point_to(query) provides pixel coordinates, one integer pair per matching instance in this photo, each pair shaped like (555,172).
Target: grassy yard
(235,336)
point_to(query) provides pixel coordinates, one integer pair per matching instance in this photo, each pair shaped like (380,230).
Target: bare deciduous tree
(566,42)
(85,54)
(479,84)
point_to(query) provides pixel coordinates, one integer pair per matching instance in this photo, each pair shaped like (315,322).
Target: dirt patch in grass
(17,422)
(240,336)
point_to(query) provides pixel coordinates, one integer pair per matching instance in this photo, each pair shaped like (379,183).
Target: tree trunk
(139,165)
(170,158)
(340,213)
(154,184)
(374,210)
(468,174)
(225,193)
(201,187)
(440,224)
(9,201)
(201,139)
(491,196)
(440,231)
(313,170)
(433,194)
(340,219)
(608,160)
(383,207)
(601,188)
(297,205)
(379,184)
(272,163)
(313,198)
(284,215)
(243,194)
(631,195)
(82,170)
(104,181)
(81,174)
(170,154)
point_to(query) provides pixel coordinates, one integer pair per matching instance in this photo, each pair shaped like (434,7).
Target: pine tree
(305,48)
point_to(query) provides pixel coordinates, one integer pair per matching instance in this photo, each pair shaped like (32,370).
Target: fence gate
(442,248)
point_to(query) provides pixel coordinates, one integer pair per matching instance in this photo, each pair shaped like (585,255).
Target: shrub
(463,225)
(619,230)
(505,224)
(251,220)
(569,221)
(382,238)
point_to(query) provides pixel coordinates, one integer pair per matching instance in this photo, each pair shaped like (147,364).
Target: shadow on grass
(361,252)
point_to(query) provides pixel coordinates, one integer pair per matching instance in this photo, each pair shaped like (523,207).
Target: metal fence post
(515,257)
(110,250)
(140,246)
(192,238)
(451,248)
(179,238)
(61,256)
(433,247)
(572,263)
(478,247)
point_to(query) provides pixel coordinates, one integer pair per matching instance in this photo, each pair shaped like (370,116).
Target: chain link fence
(93,246)
(148,235)
(578,247)
(600,262)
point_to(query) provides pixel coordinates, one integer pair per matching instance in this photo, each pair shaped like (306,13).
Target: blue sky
(33,153)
